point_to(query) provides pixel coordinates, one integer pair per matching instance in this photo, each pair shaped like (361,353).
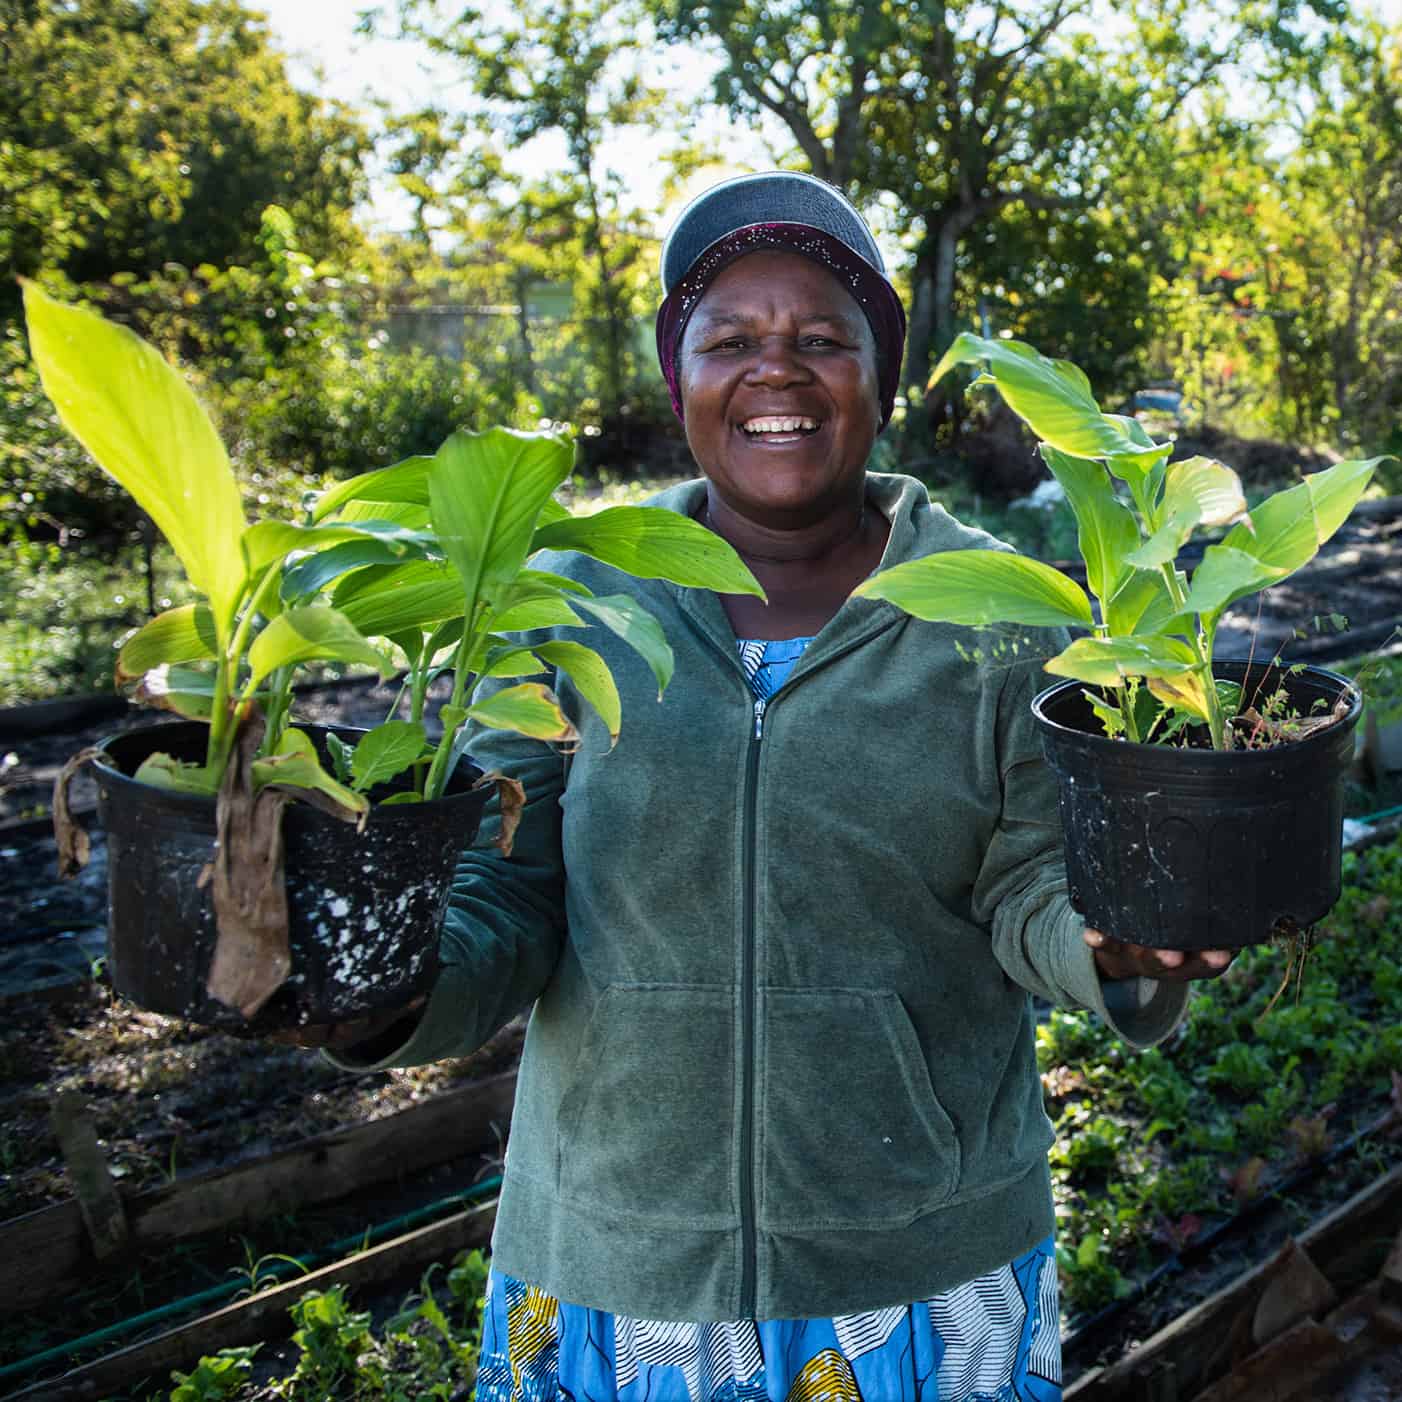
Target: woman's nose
(777,362)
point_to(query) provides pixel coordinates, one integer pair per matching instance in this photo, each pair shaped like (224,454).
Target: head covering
(785,210)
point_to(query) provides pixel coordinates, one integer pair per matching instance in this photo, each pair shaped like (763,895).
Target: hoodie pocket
(853,1134)
(646,1124)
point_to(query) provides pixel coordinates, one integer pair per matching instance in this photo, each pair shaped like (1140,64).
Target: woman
(778,1130)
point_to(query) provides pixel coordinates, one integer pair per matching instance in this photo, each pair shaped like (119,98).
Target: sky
(326,55)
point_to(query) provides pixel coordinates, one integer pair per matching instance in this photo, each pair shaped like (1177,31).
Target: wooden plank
(1203,1342)
(88,1174)
(264,1316)
(52,1241)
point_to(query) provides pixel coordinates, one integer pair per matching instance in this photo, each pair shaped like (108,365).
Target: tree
(568,70)
(964,112)
(141,132)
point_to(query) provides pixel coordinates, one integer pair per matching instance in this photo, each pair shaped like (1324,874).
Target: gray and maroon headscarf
(785,210)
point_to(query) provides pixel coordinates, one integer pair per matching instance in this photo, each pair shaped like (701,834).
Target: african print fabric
(994,1339)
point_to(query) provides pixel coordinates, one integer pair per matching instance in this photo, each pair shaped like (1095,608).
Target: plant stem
(222,721)
(471,635)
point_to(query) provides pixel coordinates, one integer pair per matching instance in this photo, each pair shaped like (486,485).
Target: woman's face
(777,370)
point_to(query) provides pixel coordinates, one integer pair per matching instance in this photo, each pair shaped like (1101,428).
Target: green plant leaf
(313,633)
(387,750)
(543,611)
(1197,492)
(591,677)
(511,661)
(384,599)
(1142,603)
(296,765)
(184,634)
(1226,574)
(486,491)
(1111,661)
(340,753)
(651,543)
(528,709)
(405,482)
(1053,397)
(181,690)
(976,587)
(312,574)
(143,425)
(553,511)
(1282,534)
(162,771)
(627,619)
(1105,526)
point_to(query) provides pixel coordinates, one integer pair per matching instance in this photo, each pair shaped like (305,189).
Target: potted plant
(1201,800)
(264,873)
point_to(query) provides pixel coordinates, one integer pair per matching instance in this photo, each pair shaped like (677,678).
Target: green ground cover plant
(1155,1148)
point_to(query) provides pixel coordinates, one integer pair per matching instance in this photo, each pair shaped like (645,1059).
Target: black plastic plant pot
(365,907)
(1187,848)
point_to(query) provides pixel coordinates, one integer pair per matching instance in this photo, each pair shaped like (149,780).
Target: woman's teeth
(776,426)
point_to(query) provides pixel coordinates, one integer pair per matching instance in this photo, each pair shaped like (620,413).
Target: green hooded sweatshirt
(781,1059)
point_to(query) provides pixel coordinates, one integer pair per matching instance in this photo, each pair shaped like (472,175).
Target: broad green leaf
(528,583)
(1105,526)
(1197,491)
(312,574)
(485,492)
(450,717)
(552,511)
(405,482)
(591,677)
(161,771)
(1142,604)
(385,599)
(180,690)
(1111,661)
(404,796)
(1185,692)
(651,543)
(511,661)
(340,753)
(1285,531)
(142,423)
(1225,575)
(540,612)
(387,750)
(529,709)
(976,587)
(1053,397)
(625,617)
(313,633)
(296,765)
(269,541)
(410,515)
(184,634)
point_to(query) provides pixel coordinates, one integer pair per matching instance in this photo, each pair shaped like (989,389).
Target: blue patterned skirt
(996,1339)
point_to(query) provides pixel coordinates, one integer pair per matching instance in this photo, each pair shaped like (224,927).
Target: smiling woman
(779,1130)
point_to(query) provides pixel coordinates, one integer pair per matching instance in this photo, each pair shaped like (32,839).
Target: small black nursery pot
(1185,848)
(365,907)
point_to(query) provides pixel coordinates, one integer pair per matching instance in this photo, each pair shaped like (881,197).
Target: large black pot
(1182,848)
(365,907)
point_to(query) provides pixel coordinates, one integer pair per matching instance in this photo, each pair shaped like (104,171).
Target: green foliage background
(1193,192)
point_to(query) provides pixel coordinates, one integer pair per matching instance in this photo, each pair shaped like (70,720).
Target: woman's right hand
(343,1036)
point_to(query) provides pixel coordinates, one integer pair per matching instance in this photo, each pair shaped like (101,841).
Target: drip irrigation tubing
(1090,1327)
(276,1271)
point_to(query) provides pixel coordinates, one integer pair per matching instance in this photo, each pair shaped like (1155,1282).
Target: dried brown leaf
(74,845)
(512,798)
(251,955)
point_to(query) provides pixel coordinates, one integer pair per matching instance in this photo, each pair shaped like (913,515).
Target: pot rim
(1091,743)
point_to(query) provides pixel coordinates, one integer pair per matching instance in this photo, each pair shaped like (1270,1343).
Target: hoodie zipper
(750,996)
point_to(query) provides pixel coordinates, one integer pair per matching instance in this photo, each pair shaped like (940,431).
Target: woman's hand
(1117,959)
(340,1036)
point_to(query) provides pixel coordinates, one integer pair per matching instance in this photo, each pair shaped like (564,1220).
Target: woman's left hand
(1117,959)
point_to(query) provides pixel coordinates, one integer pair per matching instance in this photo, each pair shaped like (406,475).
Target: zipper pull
(759,718)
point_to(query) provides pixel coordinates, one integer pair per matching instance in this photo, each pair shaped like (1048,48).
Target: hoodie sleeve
(505,923)
(1021,891)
